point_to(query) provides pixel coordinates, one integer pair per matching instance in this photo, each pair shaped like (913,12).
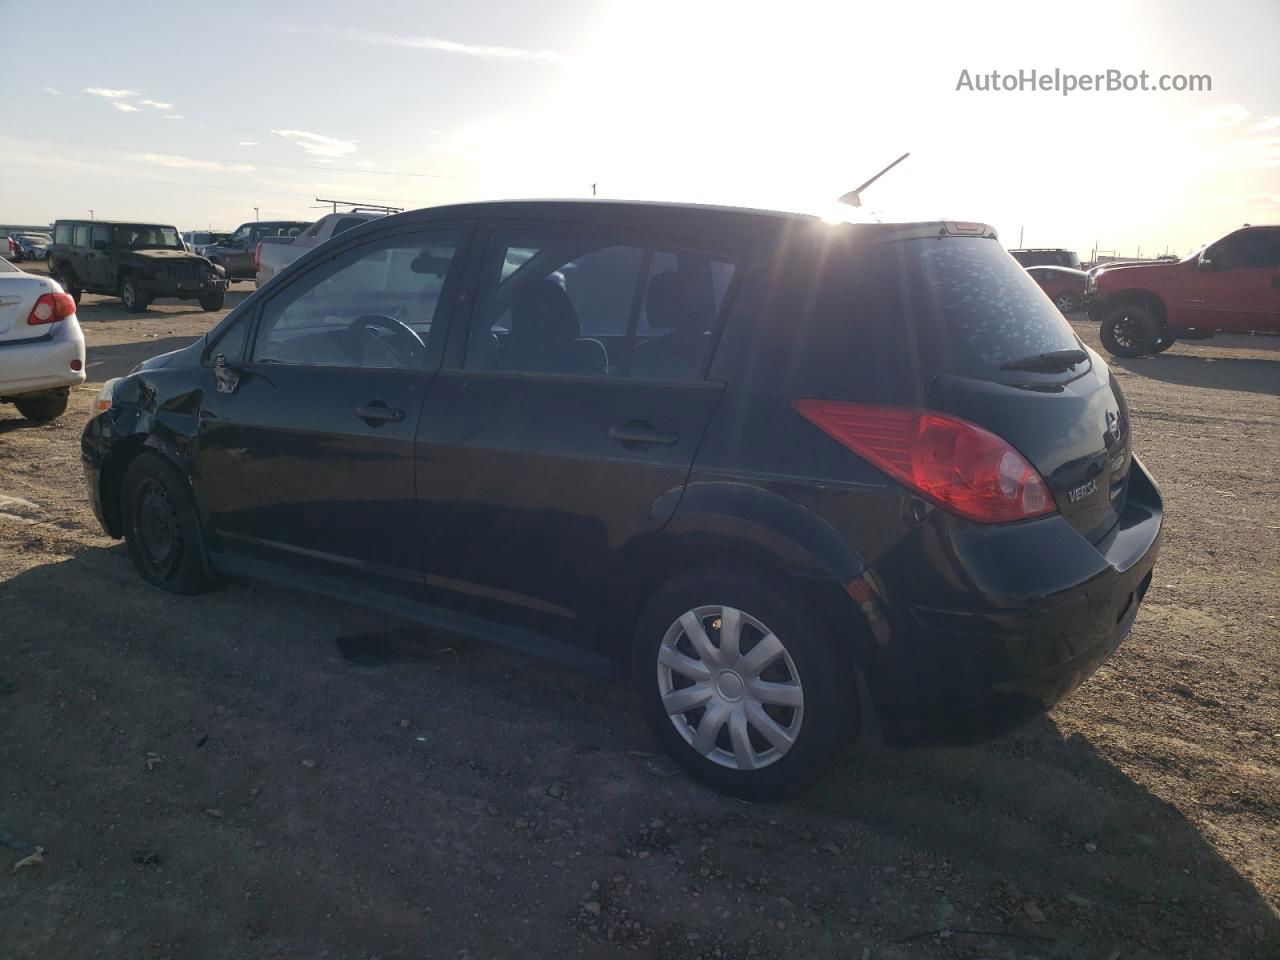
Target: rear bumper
(982,629)
(44,362)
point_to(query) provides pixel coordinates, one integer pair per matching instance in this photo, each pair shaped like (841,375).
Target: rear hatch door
(998,353)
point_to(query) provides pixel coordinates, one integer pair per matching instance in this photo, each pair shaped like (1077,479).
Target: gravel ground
(210,777)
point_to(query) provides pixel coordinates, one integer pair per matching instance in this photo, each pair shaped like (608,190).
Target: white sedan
(41,346)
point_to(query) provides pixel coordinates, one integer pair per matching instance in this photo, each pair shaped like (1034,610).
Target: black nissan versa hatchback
(801,481)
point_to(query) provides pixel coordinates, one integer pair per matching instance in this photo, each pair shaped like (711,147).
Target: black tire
(134,300)
(1164,343)
(66,278)
(1129,330)
(829,715)
(41,409)
(212,301)
(161,527)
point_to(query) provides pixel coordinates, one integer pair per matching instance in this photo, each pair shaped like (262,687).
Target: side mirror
(1205,262)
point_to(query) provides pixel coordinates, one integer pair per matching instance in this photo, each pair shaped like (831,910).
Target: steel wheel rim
(127,293)
(1064,303)
(159,534)
(730,687)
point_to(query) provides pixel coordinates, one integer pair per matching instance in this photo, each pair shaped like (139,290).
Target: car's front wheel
(212,301)
(161,527)
(1065,302)
(1129,330)
(742,685)
(134,300)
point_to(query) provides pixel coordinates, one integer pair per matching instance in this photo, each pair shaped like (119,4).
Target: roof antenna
(854,199)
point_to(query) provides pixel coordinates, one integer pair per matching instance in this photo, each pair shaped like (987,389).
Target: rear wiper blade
(1051,362)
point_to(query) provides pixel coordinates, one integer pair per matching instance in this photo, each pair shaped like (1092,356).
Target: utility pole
(1020,229)
(91,213)
(593,189)
(255,214)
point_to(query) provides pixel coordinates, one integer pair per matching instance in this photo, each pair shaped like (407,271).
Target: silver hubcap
(730,687)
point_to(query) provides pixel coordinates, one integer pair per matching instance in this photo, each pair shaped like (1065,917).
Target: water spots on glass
(989,304)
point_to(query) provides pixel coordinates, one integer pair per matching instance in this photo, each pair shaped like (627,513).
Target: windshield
(146,237)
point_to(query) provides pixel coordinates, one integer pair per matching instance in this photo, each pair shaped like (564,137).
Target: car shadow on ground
(1244,374)
(1035,842)
(100,309)
(117,359)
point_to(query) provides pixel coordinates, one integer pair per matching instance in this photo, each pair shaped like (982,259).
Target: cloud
(249,143)
(173,116)
(109,93)
(125,107)
(317,144)
(156,104)
(188,163)
(55,92)
(1267,123)
(365,164)
(1219,118)
(490,51)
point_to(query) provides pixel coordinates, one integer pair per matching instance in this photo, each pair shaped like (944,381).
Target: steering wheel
(402,342)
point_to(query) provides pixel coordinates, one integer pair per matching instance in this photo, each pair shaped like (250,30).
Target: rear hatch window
(971,303)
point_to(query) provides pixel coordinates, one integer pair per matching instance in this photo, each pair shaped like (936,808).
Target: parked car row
(1145,306)
(26,246)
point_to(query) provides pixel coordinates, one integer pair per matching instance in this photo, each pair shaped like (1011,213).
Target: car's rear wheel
(1129,330)
(742,685)
(1065,302)
(161,527)
(212,301)
(66,278)
(41,409)
(134,300)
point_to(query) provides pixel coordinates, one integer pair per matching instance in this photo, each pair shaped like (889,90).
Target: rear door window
(81,236)
(564,301)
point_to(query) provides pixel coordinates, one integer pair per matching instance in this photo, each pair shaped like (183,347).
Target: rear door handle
(641,431)
(378,411)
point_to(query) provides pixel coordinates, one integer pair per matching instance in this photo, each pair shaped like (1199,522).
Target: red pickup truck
(1232,285)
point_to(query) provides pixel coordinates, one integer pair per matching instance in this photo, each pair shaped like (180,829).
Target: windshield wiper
(1054,361)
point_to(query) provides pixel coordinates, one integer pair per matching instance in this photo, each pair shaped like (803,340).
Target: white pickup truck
(273,254)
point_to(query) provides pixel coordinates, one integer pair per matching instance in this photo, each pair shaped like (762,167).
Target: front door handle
(377,411)
(642,432)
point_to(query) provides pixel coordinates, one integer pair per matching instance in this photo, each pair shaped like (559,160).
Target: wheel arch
(737,528)
(1137,295)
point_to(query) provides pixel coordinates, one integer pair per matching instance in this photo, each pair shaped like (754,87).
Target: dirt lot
(211,778)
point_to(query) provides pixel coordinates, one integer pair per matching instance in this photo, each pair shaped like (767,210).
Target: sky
(197,115)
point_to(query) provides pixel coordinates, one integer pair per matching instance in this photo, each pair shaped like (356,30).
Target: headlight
(105,394)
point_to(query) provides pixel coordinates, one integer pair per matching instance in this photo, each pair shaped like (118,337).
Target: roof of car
(665,216)
(1040,250)
(120,223)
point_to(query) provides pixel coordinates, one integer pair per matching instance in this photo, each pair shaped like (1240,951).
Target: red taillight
(956,464)
(50,308)
(257,257)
